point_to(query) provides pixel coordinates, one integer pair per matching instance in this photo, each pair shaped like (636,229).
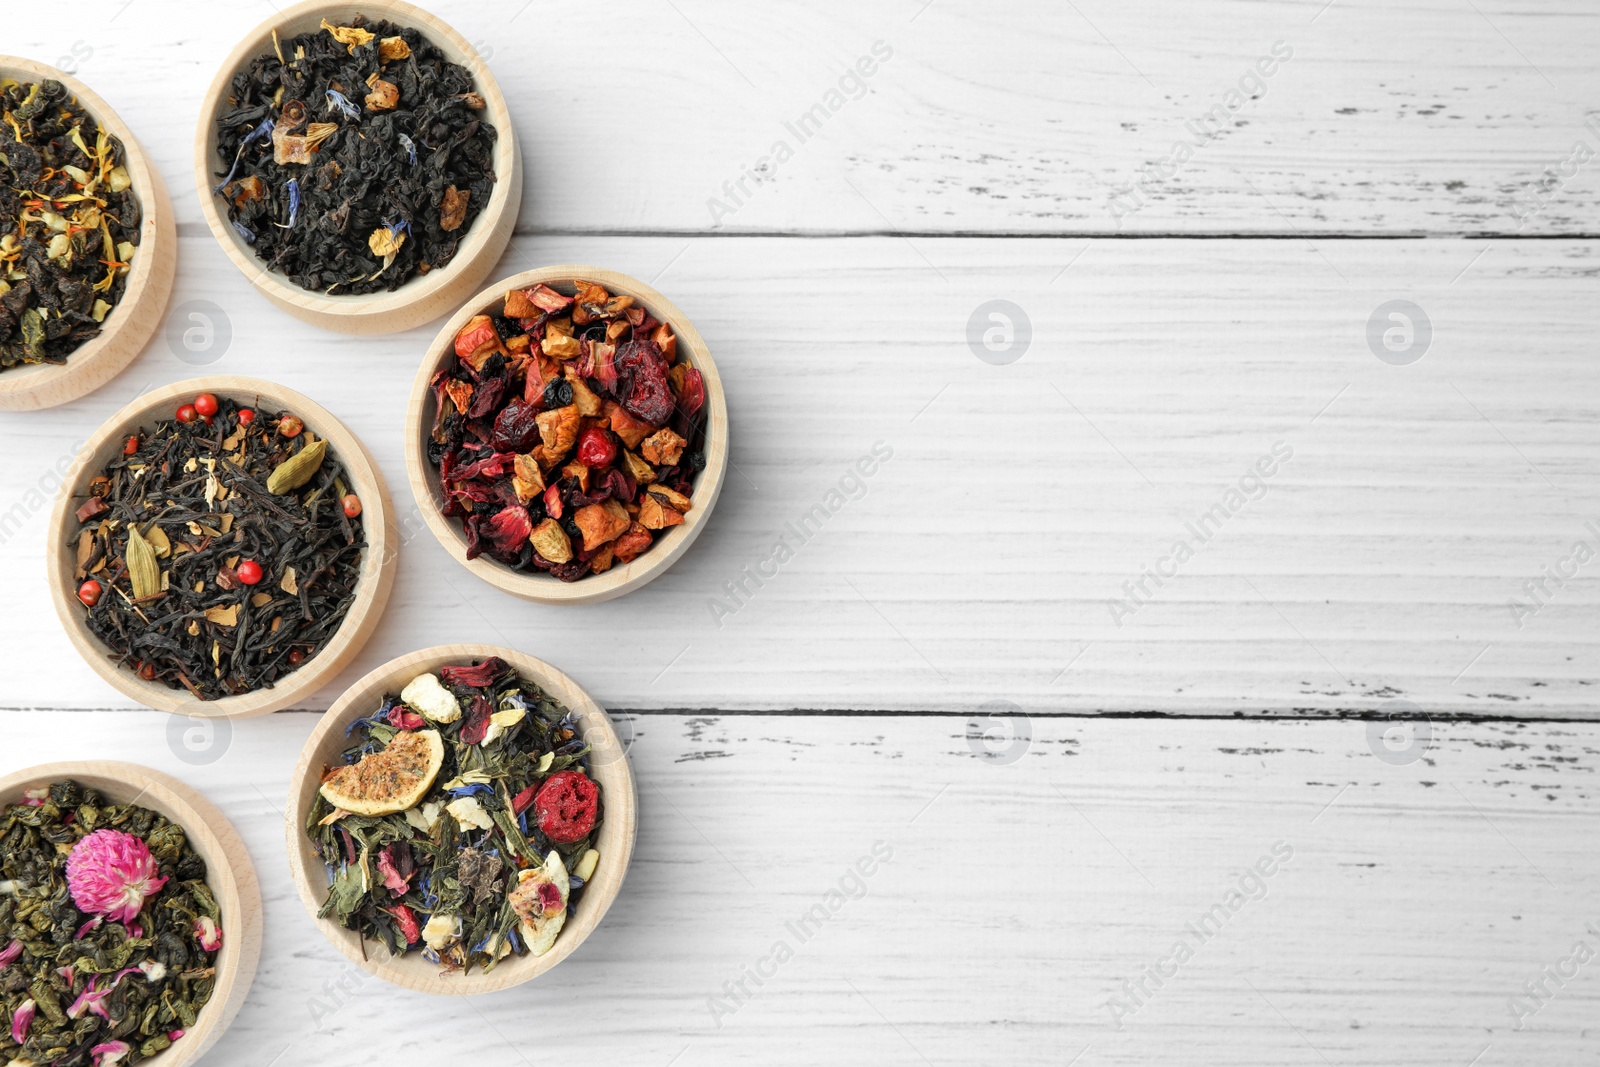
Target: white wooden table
(1190,310)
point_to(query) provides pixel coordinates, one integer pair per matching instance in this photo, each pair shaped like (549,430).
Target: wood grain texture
(669,547)
(423,298)
(980,561)
(615,840)
(378,562)
(229,873)
(130,323)
(1018,898)
(1032,117)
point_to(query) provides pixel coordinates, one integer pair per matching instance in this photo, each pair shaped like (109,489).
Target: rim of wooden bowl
(372,589)
(622,577)
(421,298)
(608,765)
(129,325)
(229,872)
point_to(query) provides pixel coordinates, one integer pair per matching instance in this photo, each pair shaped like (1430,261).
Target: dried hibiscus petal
(477,677)
(643,371)
(476,724)
(508,530)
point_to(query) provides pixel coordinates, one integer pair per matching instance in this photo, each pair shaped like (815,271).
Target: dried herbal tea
(71,223)
(460,823)
(220,550)
(568,433)
(355,157)
(108,931)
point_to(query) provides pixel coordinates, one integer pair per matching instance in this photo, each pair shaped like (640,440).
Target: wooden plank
(981,561)
(1031,117)
(1018,899)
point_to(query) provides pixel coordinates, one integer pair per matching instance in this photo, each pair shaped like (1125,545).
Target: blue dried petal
(522,822)
(336,99)
(471,790)
(572,748)
(511,935)
(397,228)
(410,147)
(430,955)
(294,213)
(574,883)
(245,232)
(261,131)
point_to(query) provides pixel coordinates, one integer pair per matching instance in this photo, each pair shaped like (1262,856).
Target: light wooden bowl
(144,298)
(623,577)
(423,297)
(229,873)
(374,584)
(608,764)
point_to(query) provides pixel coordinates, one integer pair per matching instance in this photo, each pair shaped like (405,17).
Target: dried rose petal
(476,677)
(22,1019)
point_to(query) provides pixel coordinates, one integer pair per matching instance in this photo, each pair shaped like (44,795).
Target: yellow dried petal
(385,242)
(351,37)
(392,48)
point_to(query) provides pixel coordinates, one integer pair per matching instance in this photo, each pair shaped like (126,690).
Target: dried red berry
(352,505)
(296,657)
(596,448)
(186,413)
(147,671)
(290,426)
(649,397)
(249,572)
(89,592)
(206,404)
(516,428)
(131,445)
(246,415)
(566,806)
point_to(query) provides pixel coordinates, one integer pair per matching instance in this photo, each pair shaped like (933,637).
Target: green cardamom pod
(297,470)
(143,570)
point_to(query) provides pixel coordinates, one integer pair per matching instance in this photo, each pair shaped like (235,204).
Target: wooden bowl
(229,873)
(608,764)
(377,569)
(623,577)
(144,299)
(423,297)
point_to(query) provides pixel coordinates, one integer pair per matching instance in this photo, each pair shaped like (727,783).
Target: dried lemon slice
(391,780)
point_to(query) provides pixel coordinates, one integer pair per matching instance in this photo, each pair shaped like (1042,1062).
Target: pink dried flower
(22,1019)
(208,933)
(9,954)
(92,924)
(35,798)
(173,1035)
(109,1053)
(111,873)
(91,1000)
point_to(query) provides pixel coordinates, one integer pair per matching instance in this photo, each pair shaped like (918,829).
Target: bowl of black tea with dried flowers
(87,243)
(225,546)
(363,155)
(461,819)
(130,918)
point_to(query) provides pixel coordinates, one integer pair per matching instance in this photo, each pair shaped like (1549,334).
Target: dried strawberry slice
(408,923)
(566,806)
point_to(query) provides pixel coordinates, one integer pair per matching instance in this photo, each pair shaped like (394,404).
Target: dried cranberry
(566,806)
(516,428)
(596,448)
(643,371)
(570,571)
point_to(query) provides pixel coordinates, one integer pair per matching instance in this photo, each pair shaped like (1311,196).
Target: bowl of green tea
(87,239)
(130,917)
(222,547)
(358,164)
